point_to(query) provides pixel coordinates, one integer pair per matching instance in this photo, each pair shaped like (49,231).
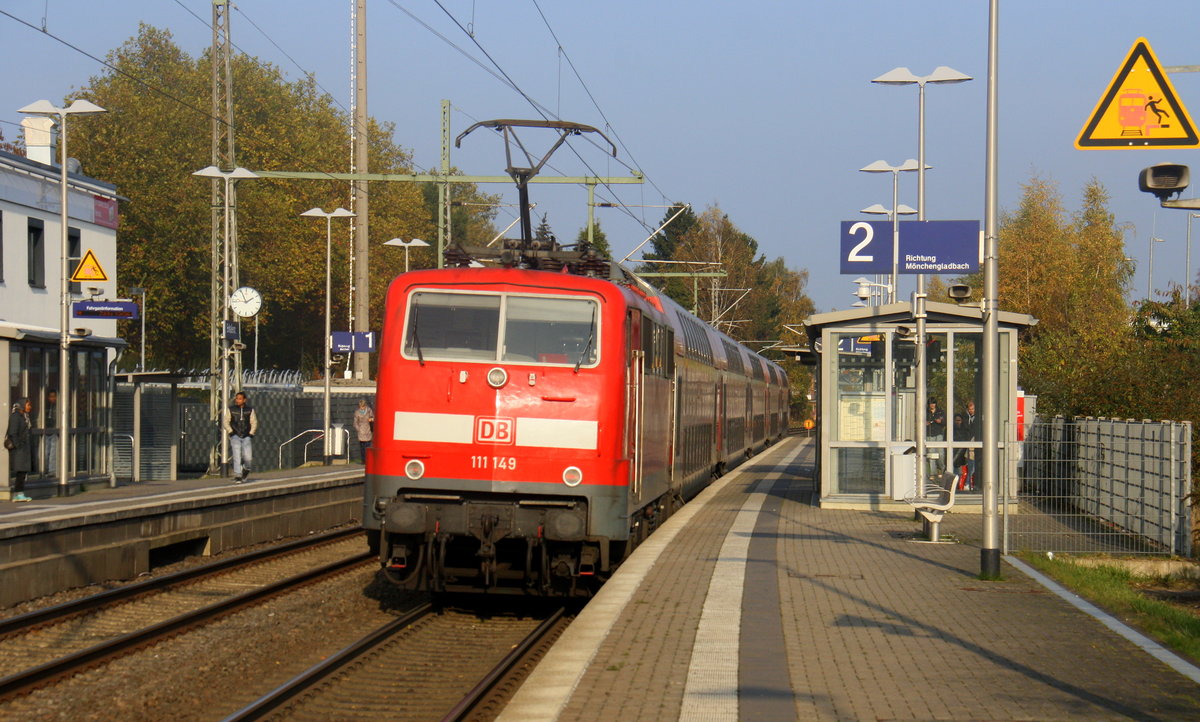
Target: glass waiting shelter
(866,398)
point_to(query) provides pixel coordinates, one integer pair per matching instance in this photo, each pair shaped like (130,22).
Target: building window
(37,254)
(74,256)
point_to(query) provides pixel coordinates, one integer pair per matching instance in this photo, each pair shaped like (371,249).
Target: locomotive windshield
(502,327)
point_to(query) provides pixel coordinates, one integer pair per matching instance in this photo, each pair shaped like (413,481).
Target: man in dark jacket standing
(241,424)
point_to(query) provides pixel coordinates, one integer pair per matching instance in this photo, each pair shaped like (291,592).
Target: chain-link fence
(284,414)
(1099,485)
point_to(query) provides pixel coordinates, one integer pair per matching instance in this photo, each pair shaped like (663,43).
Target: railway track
(43,646)
(418,667)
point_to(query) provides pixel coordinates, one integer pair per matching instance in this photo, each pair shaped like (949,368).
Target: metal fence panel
(1100,485)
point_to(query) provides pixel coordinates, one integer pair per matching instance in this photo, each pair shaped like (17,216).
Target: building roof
(51,173)
(902,313)
(23,331)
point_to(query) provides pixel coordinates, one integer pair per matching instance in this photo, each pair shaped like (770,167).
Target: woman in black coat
(20,457)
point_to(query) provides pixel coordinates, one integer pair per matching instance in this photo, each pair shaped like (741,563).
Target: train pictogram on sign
(1140,109)
(89,269)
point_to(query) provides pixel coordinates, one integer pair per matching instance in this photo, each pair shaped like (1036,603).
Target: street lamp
(881,166)
(48,109)
(136,291)
(1187,286)
(1150,272)
(879,210)
(229,176)
(904,76)
(328,216)
(416,242)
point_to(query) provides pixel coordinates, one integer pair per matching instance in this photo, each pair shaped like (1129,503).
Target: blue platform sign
(233,331)
(866,247)
(352,341)
(104,309)
(951,247)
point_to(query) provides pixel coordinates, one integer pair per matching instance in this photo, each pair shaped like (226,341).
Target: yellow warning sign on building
(1140,109)
(89,269)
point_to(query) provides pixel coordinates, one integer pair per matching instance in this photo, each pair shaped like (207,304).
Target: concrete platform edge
(1151,647)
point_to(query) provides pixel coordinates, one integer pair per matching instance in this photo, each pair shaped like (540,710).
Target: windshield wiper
(588,346)
(416,333)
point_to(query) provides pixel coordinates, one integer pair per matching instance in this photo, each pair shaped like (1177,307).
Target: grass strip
(1115,590)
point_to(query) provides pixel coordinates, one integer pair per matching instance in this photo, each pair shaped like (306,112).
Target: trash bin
(337,440)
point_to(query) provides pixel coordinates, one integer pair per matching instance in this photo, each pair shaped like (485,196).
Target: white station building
(30,293)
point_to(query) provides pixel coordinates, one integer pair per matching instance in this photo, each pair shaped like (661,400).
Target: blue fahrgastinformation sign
(104,309)
(951,247)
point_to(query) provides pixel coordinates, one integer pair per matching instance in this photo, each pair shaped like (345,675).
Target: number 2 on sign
(868,236)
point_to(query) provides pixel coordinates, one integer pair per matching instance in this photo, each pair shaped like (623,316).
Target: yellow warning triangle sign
(89,269)
(1140,109)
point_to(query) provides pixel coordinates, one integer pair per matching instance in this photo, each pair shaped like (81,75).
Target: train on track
(539,416)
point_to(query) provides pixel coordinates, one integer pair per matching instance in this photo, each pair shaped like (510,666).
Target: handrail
(116,436)
(297,436)
(344,430)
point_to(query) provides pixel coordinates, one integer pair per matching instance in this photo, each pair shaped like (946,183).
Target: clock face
(245,302)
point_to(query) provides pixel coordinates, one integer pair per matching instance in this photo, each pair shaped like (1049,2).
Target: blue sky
(763,108)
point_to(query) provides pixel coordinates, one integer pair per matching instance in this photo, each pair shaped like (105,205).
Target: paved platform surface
(753,604)
(99,497)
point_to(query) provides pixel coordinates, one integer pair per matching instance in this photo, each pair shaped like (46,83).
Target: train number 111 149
(494,462)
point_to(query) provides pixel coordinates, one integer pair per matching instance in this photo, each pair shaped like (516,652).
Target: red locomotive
(532,426)
(538,418)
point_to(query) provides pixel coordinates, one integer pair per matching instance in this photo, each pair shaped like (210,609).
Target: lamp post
(904,76)
(139,291)
(416,242)
(229,176)
(1187,285)
(328,216)
(900,210)
(48,109)
(1150,270)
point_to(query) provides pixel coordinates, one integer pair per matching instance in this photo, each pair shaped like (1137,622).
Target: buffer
(1140,109)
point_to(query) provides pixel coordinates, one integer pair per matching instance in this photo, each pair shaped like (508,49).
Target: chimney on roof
(40,139)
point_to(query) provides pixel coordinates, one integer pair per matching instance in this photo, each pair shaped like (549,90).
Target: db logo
(493,430)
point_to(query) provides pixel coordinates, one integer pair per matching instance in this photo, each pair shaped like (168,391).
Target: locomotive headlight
(497,377)
(572,476)
(414,469)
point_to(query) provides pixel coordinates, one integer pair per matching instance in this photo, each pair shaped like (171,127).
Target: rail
(73,662)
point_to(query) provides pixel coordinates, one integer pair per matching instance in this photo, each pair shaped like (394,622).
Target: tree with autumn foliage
(157,132)
(755,298)
(1069,271)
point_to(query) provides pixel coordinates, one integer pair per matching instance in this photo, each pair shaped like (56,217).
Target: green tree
(157,132)
(663,245)
(472,216)
(599,240)
(1070,273)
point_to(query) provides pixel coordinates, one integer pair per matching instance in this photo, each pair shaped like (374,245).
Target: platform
(51,544)
(753,604)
